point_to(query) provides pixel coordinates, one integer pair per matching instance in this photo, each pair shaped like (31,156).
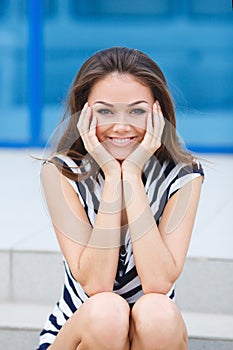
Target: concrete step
(21,323)
(206,285)
(31,276)
(209,331)
(37,276)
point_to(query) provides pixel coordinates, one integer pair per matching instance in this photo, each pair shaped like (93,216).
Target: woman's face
(121,105)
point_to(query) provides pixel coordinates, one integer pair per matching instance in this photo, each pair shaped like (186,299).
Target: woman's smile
(122,114)
(122,142)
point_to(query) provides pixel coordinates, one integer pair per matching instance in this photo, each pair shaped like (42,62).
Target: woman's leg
(101,323)
(156,324)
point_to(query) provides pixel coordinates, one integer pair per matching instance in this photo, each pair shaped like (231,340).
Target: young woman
(122,194)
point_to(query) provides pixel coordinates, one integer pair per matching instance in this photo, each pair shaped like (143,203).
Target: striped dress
(161,181)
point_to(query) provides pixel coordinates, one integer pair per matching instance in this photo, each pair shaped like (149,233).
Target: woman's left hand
(151,142)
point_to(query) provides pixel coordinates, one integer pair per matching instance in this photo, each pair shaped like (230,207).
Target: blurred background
(43,44)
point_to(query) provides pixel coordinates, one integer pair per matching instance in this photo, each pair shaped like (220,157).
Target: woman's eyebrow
(104,103)
(137,102)
(112,105)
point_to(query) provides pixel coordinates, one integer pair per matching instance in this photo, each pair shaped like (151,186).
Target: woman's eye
(138,111)
(104,111)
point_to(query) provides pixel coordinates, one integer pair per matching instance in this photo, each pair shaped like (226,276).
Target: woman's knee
(157,320)
(107,317)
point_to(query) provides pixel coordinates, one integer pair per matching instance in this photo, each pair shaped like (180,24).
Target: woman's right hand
(87,129)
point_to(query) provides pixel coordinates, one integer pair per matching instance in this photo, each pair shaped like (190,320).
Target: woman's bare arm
(160,252)
(91,253)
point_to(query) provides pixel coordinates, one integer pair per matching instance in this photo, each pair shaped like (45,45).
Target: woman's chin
(120,153)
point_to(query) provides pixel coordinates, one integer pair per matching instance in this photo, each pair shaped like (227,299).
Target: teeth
(121,140)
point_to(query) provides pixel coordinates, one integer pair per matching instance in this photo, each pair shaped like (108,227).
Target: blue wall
(192,41)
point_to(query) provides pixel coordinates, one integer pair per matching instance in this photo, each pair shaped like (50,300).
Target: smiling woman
(122,194)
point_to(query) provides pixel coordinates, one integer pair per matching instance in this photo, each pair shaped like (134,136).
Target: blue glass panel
(211,7)
(49,8)
(193,48)
(14,116)
(3,5)
(120,7)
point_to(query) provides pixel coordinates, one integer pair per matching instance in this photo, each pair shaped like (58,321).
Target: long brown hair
(124,61)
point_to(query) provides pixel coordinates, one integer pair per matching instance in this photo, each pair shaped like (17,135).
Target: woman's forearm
(99,259)
(154,262)
(91,252)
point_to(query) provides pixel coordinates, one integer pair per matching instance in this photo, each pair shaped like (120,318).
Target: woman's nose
(121,126)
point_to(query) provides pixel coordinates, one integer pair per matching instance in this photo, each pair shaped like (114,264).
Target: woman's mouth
(123,141)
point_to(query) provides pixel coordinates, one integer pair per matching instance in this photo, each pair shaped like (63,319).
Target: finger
(149,126)
(149,135)
(91,138)
(86,121)
(160,114)
(83,111)
(159,108)
(93,124)
(82,117)
(155,115)
(157,126)
(159,118)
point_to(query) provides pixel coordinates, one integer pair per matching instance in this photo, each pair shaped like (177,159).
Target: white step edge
(208,325)
(31,317)
(26,316)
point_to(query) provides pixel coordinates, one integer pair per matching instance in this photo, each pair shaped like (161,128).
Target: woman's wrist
(131,171)
(112,171)
(112,176)
(132,177)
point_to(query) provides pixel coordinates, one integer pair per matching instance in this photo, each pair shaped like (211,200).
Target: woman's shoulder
(182,173)
(75,167)
(79,173)
(179,169)
(167,173)
(67,162)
